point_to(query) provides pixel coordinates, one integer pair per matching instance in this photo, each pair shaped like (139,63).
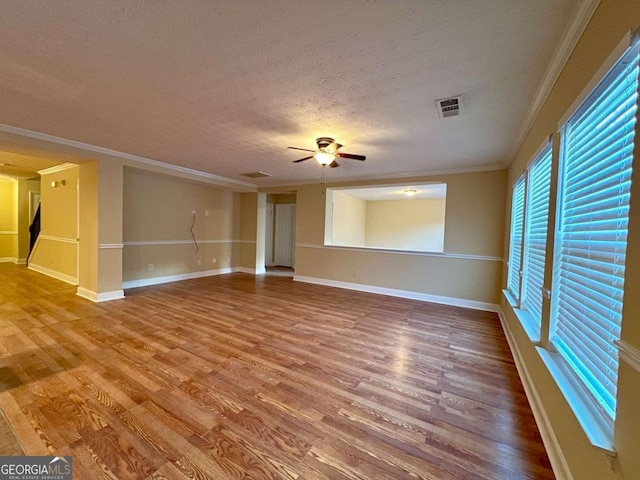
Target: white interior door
(284,238)
(268,232)
(34,203)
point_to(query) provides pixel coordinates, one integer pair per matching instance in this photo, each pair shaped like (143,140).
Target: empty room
(330,239)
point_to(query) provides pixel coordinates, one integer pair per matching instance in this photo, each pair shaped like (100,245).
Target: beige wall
(415,224)
(8,219)
(88,246)
(60,204)
(110,221)
(348,219)
(56,251)
(157,220)
(474,232)
(248,230)
(281,198)
(608,25)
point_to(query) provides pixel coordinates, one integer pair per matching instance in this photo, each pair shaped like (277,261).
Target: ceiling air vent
(256,174)
(449,107)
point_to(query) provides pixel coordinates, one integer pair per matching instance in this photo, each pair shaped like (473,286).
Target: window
(535,233)
(591,232)
(515,245)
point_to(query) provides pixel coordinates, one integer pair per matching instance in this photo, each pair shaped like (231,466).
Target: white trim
(78,226)
(597,428)
(463,256)
(581,17)
(17,261)
(8,232)
(547,142)
(145,282)
(52,273)
(620,49)
(250,271)
(629,354)
(57,168)
(99,297)
(399,176)
(109,246)
(33,250)
(526,320)
(392,292)
(125,156)
(180,242)
(107,296)
(57,239)
(552,445)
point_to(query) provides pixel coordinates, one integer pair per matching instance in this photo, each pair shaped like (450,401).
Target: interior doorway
(284,235)
(268,245)
(280,230)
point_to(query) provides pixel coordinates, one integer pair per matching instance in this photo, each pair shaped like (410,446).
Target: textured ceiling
(398,192)
(224,86)
(23,166)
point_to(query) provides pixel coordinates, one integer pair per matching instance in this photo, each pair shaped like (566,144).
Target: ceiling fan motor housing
(324,141)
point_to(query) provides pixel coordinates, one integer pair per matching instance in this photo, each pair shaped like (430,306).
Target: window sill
(385,249)
(510,298)
(531,328)
(596,427)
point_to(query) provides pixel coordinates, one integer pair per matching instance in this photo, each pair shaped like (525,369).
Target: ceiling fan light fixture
(324,158)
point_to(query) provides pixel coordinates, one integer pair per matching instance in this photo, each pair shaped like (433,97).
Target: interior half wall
(467,273)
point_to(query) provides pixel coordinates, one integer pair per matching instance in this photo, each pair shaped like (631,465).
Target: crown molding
(134,160)
(57,168)
(376,178)
(581,17)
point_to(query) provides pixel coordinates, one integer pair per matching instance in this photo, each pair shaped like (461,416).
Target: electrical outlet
(193,213)
(206,213)
(150,266)
(199,262)
(355,274)
(214,260)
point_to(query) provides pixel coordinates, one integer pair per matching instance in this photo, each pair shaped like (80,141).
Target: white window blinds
(515,242)
(591,236)
(535,233)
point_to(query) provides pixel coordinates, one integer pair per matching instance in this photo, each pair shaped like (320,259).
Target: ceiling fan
(327,153)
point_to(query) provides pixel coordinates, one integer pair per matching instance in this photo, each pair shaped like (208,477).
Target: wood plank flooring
(236,377)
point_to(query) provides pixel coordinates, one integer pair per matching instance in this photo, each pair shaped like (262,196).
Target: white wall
(349,217)
(412,224)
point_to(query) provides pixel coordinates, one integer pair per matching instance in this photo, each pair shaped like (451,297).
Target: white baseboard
(251,271)
(424,297)
(554,451)
(145,282)
(17,261)
(52,273)
(99,297)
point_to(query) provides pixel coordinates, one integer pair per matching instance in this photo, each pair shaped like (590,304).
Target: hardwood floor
(243,377)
